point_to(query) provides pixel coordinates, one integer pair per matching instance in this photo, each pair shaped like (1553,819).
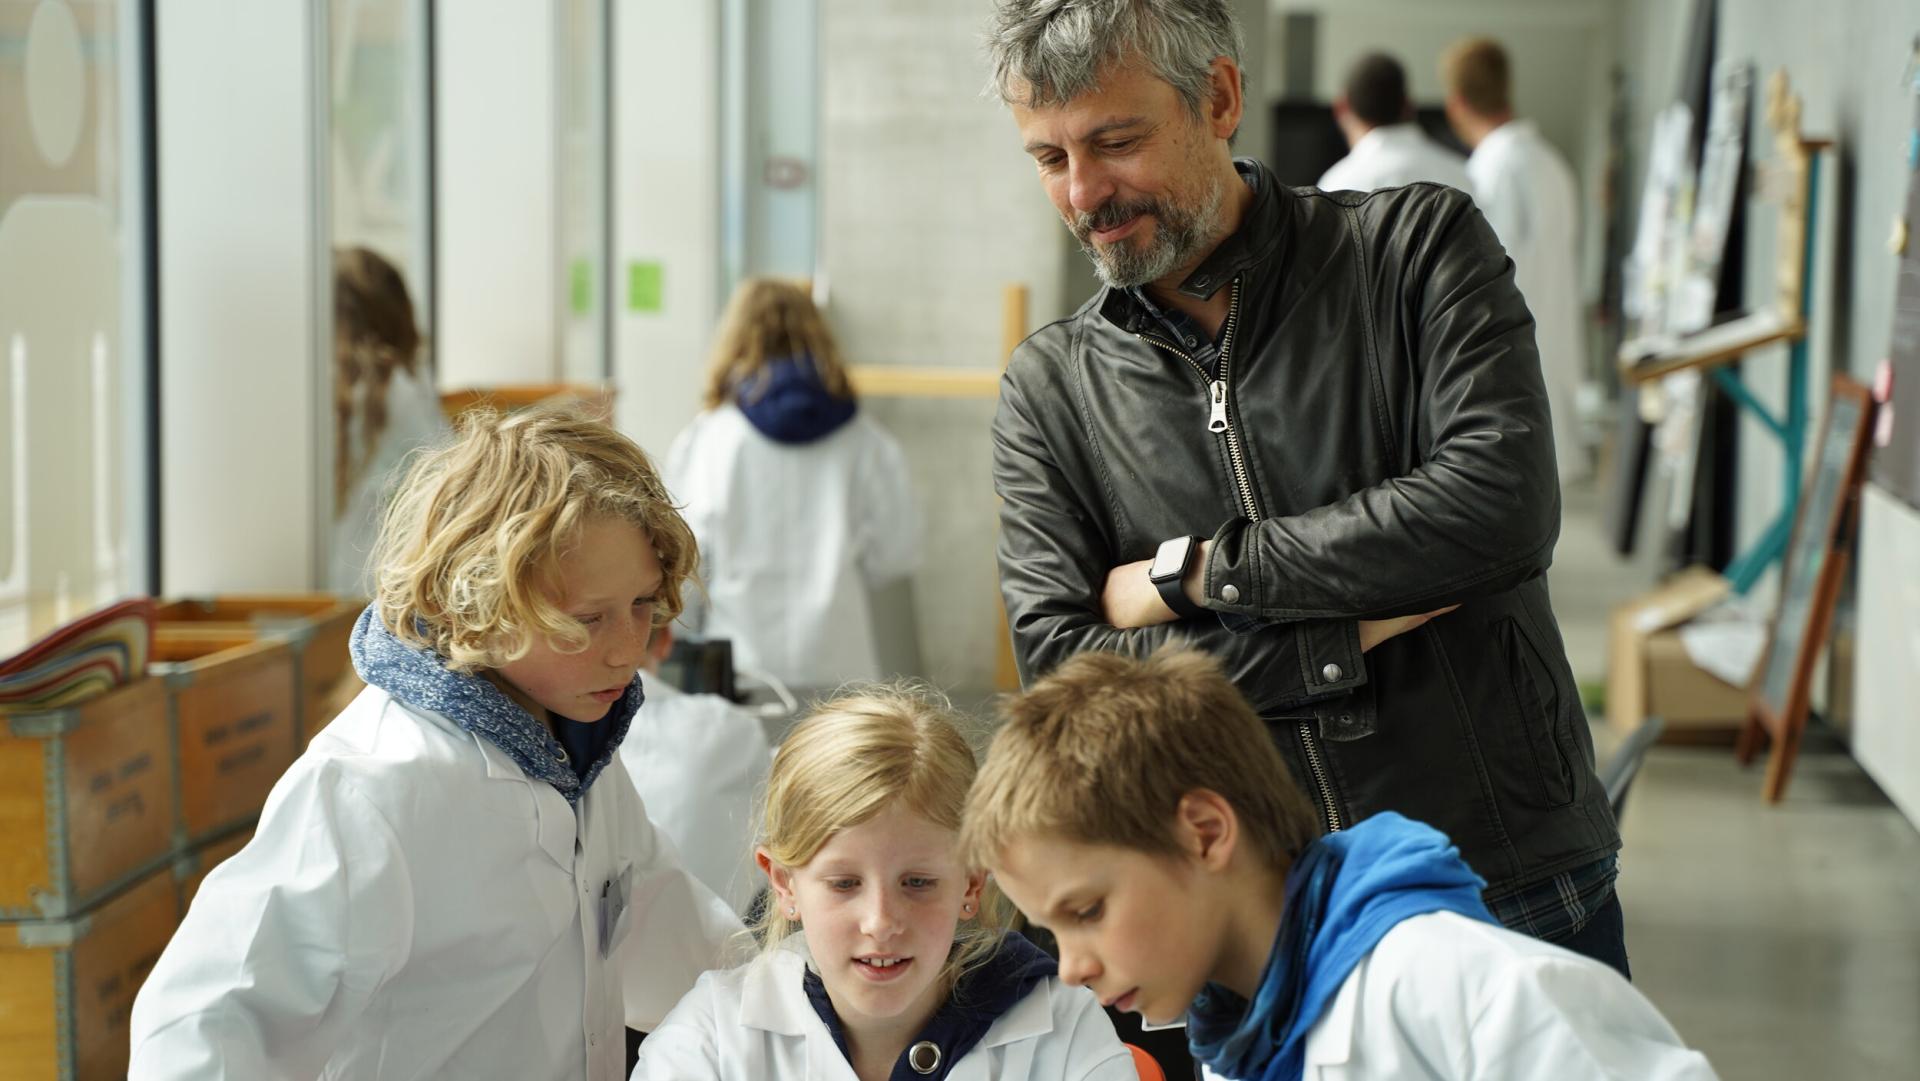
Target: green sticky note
(644,284)
(580,286)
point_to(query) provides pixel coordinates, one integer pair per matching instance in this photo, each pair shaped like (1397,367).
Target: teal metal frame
(1791,430)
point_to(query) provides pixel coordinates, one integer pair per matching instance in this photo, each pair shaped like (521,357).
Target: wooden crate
(87,800)
(316,625)
(192,868)
(67,986)
(232,719)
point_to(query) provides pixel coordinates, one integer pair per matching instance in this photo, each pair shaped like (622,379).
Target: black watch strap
(1172,585)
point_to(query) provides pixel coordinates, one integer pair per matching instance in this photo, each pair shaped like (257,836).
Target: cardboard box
(316,626)
(86,800)
(67,986)
(232,712)
(1649,673)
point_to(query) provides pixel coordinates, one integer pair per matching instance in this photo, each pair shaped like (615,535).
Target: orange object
(1145,1066)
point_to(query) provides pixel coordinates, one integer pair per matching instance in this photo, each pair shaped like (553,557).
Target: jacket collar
(1260,238)
(772,999)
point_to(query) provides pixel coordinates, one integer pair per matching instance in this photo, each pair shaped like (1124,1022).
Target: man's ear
(1225,102)
(1206,828)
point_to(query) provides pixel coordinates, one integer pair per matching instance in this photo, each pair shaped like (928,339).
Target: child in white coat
(1139,809)
(457,879)
(901,967)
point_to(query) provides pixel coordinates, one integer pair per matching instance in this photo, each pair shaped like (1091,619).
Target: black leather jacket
(1387,452)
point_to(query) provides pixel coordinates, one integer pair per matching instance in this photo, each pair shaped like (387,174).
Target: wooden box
(315,625)
(232,717)
(192,867)
(67,986)
(86,800)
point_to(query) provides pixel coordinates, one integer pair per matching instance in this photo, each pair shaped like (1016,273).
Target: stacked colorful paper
(87,657)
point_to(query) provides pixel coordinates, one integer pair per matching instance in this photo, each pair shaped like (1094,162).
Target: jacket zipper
(1219,424)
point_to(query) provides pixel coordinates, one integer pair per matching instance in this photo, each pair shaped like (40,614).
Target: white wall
(239,263)
(665,208)
(494,187)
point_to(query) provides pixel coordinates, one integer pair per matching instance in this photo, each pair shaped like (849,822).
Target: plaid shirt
(1556,908)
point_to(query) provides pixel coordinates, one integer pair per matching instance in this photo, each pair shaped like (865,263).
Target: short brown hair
(1102,750)
(1476,69)
(468,549)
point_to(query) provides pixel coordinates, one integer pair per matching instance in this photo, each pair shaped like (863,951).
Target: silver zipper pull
(1217,415)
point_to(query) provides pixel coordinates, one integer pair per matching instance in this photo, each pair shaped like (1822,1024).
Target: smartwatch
(1168,568)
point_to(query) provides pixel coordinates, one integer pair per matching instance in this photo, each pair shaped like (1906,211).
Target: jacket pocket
(1538,713)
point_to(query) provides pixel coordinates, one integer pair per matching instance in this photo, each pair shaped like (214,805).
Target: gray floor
(1784,941)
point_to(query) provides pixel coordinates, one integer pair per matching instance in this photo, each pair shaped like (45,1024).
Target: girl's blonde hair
(374,336)
(852,758)
(766,320)
(470,546)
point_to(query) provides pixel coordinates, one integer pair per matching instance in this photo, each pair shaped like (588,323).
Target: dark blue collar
(982,997)
(789,404)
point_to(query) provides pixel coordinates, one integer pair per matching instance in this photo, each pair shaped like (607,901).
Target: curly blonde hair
(469,549)
(852,758)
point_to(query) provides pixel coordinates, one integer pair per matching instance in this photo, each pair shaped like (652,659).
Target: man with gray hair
(1307,431)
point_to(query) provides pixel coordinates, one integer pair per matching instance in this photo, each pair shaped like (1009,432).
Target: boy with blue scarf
(1139,810)
(457,878)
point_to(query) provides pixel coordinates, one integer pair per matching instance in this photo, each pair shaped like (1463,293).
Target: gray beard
(1179,234)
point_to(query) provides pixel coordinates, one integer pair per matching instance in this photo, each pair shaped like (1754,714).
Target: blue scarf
(420,678)
(1343,895)
(789,404)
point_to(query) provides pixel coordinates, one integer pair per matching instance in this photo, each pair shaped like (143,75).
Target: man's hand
(1131,601)
(1375,631)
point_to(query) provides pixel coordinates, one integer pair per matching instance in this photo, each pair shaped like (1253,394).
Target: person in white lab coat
(802,505)
(457,879)
(699,762)
(1528,193)
(1199,883)
(1388,148)
(384,406)
(901,965)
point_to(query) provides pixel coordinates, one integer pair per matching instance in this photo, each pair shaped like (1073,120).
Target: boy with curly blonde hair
(457,879)
(1139,810)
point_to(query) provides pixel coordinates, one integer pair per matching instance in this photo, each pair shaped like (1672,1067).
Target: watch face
(1170,560)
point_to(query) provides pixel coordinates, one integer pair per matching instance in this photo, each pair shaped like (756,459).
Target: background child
(802,506)
(901,956)
(384,406)
(456,879)
(1139,810)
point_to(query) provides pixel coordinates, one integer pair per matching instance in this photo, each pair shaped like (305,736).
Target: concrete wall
(928,209)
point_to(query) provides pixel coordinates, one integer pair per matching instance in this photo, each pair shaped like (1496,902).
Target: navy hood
(789,404)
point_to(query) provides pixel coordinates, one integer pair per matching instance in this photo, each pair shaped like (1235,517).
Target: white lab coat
(1446,997)
(754,1023)
(699,762)
(793,537)
(1392,155)
(1528,194)
(412,905)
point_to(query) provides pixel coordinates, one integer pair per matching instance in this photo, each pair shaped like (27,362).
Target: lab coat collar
(772,999)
